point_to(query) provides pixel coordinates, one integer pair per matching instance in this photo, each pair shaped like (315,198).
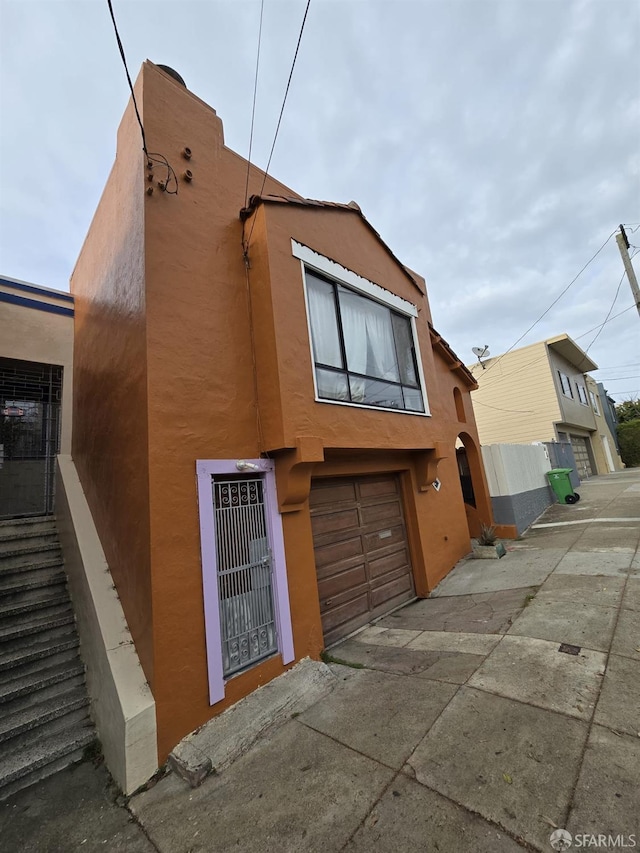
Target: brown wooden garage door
(362,556)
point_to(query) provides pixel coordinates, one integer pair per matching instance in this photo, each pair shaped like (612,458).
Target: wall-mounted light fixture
(243,465)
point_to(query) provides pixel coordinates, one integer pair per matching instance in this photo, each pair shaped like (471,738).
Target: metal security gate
(244,569)
(30,397)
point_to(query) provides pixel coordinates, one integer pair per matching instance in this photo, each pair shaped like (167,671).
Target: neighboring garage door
(361,550)
(581,455)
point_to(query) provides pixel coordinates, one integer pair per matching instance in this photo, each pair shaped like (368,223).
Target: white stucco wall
(515,468)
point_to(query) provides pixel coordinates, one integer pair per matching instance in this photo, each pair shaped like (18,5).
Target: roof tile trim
(442,347)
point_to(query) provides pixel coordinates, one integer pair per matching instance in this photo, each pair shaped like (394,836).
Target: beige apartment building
(542,392)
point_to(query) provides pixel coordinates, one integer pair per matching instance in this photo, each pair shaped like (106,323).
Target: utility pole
(623,245)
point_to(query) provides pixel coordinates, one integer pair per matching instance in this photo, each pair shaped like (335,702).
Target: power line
(284,101)
(497,380)
(575,337)
(246,244)
(556,300)
(151,157)
(608,313)
(286,93)
(254,365)
(126,69)
(498,409)
(253,108)
(615,316)
(544,357)
(619,366)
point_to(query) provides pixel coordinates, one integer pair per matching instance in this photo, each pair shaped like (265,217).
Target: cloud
(492,143)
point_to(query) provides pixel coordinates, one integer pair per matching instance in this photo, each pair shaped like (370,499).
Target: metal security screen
(244,560)
(30,395)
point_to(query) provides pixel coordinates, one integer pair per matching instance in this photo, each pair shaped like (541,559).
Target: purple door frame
(206,469)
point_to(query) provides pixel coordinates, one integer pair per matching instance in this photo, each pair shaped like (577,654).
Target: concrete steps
(57,616)
(42,757)
(41,523)
(44,707)
(20,556)
(37,647)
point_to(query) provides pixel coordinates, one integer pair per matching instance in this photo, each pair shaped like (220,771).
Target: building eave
(455,365)
(569,350)
(352,207)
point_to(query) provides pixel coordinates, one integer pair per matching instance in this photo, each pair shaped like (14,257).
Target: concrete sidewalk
(481,719)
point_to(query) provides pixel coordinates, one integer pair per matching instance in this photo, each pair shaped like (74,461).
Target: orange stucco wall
(192,355)
(277,290)
(110,436)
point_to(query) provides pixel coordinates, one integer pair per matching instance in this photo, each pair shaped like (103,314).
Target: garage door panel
(377,487)
(384,539)
(345,614)
(348,581)
(360,576)
(381,513)
(398,587)
(347,565)
(334,522)
(389,563)
(337,552)
(328,493)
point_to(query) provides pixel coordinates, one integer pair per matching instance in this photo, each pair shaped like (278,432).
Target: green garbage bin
(561,484)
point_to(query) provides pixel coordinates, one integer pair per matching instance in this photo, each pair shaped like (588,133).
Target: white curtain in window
(404,349)
(368,337)
(324,329)
(332,385)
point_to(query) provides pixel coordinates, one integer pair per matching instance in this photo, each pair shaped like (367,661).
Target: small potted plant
(486,546)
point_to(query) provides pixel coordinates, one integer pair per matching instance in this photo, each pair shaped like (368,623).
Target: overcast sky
(494,144)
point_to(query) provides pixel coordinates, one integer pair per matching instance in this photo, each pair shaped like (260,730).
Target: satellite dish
(480,351)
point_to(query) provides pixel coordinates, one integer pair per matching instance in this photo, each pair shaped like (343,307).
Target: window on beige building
(565,384)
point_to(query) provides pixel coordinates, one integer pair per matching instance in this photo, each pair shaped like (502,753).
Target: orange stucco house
(265,420)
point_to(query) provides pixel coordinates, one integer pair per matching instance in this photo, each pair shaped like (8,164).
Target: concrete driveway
(501,709)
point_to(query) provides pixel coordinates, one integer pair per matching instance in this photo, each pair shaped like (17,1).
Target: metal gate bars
(30,395)
(244,558)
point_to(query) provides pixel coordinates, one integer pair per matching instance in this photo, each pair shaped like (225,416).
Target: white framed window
(565,384)
(594,402)
(363,339)
(582,394)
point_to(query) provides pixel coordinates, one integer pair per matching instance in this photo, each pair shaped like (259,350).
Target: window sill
(372,408)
